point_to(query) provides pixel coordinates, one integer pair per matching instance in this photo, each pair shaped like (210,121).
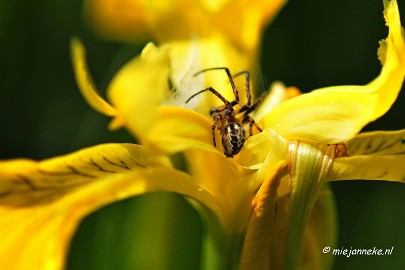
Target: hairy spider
(228,120)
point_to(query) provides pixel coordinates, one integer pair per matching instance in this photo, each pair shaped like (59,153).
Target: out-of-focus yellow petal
(140,20)
(43,202)
(248,17)
(85,82)
(139,88)
(336,114)
(119,19)
(182,19)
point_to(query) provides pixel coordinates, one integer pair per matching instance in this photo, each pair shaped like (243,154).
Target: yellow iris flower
(307,140)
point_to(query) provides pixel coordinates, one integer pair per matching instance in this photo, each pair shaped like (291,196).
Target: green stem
(221,250)
(309,167)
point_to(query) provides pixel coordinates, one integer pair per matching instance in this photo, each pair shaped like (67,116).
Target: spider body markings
(228,120)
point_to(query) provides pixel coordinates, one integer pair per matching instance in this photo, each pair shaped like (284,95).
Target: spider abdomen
(233,138)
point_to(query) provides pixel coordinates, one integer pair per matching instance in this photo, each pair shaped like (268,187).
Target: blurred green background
(310,44)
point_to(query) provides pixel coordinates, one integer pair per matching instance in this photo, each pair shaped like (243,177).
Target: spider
(228,120)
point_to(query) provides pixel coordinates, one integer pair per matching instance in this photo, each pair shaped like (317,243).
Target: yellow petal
(266,147)
(377,143)
(265,238)
(257,246)
(139,87)
(181,19)
(278,94)
(118,19)
(389,168)
(140,92)
(214,173)
(248,20)
(85,82)
(140,20)
(178,129)
(380,155)
(43,202)
(336,114)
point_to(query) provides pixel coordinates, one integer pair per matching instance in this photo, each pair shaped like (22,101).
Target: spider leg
(248,119)
(231,81)
(247,85)
(249,109)
(213,127)
(216,93)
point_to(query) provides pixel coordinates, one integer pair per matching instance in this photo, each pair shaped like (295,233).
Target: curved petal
(178,129)
(139,87)
(336,114)
(44,201)
(265,238)
(265,148)
(248,20)
(85,82)
(278,94)
(258,243)
(213,172)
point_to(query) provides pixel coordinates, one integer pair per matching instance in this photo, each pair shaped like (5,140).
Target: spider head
(233,138)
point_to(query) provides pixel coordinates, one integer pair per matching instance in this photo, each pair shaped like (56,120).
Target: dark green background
(310,44)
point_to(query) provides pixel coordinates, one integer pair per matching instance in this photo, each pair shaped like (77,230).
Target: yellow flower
(180,19)
(307,140)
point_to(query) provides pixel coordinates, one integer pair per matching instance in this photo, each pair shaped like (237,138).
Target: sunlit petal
(179,129)
(380,155)
(219,177)
(278,94)
(386,167)
(336,114)
(377,143)
(139,87)
(266,147)
(85,82)
(44,201)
